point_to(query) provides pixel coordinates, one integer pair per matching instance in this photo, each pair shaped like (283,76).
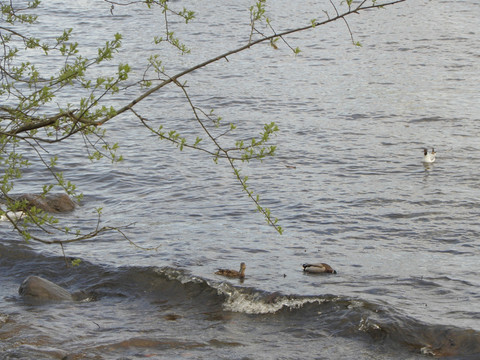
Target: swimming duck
(429,158)
(233,273)
(318,268)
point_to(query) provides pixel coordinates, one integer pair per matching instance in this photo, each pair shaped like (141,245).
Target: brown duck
(233,273)
(318,268)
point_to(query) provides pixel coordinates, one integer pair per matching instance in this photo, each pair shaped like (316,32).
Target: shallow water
(347,184)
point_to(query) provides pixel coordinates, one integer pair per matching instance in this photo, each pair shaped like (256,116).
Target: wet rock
(35,287)
(53,203)
(84,296)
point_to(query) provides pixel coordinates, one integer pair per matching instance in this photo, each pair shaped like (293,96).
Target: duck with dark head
(319,268)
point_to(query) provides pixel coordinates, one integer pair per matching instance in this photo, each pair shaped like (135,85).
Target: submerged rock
(41,289)
(53,203)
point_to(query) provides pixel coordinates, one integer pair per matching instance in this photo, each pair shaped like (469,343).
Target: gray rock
(41,289)
(53,203)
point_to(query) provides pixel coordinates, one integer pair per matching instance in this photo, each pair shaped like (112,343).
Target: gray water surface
(348,186)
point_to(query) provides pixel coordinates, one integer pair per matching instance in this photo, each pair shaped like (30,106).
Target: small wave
(350,317)
(178,294)
(251,301)
(429,119)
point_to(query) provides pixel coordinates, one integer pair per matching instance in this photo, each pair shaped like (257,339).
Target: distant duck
(429,158)
(318,268)
(233,273)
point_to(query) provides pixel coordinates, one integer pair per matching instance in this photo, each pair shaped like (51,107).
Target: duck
(429,158)
(318,268)
(233,273)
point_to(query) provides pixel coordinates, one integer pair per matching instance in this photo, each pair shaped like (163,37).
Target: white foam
(255,303)
(14,215)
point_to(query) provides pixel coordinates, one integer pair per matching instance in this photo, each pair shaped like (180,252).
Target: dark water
(135,312)
(348,186)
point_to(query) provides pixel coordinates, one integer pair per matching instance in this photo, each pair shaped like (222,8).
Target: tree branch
(242,48)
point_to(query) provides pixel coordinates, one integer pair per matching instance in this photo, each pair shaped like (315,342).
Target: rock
(53,203)
(41,289)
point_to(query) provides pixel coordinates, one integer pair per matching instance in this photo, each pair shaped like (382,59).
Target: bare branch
(174,78)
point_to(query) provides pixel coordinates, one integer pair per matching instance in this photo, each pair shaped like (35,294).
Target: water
(347,184)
